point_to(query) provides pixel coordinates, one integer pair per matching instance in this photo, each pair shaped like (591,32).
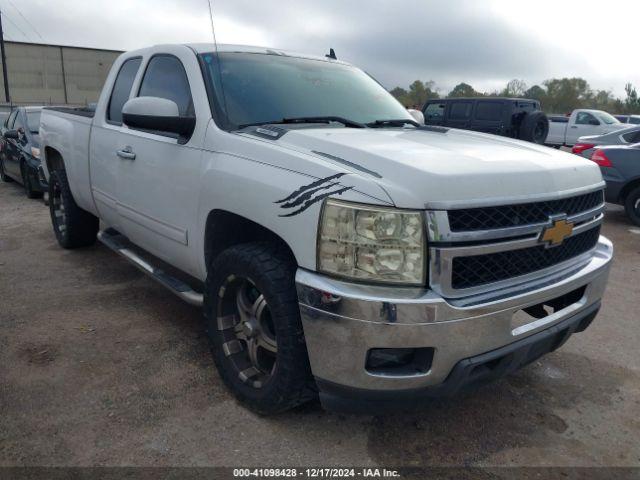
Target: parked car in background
(587,144)
(633,119)
(565,131)
(20,149)
(509,117)
(620,167)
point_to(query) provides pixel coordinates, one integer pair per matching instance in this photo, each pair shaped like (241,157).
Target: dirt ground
(101,366)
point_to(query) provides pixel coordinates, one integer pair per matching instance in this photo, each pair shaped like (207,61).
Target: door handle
(126,153)
(573,126)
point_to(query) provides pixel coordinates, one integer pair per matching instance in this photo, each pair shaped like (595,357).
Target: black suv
(510,117)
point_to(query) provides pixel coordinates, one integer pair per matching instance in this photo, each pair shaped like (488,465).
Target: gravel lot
(101,366)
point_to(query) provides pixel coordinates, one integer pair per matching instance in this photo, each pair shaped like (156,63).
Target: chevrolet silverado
(338,248)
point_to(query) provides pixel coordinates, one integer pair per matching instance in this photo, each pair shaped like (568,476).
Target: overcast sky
(483,42)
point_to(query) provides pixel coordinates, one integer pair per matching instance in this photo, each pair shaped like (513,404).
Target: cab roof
(230,48)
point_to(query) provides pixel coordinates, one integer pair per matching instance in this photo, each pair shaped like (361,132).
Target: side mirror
(11,134)
(417,115)
(593,121)
(158,114)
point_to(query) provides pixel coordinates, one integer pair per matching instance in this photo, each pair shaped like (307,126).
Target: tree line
(556,95)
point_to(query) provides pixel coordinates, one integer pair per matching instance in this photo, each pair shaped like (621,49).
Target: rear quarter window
(122,89)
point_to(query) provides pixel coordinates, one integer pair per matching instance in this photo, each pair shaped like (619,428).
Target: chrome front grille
(475,270)
(504,216)
(494,254)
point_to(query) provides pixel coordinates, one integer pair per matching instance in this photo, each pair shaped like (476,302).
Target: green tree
(400,94)
(515,88)
(463,90)
(536,93)
(419,92)
(632,102)
(566,94)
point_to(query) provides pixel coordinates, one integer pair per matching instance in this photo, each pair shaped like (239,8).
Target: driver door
(11,154)
(158,172)
(586,124)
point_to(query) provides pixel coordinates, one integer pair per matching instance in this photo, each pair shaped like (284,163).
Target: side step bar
(121,245)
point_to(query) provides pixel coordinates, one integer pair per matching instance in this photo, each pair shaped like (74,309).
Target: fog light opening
(399,361)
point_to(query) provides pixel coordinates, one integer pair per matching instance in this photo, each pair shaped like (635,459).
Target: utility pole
(4,63)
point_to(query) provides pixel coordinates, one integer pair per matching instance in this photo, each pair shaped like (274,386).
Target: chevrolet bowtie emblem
(555,234)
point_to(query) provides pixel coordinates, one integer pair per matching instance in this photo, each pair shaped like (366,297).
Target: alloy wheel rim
(59,213)
(245,323)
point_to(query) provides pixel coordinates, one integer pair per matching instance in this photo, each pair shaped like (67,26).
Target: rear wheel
(534,127)
(73,226)
(3,176)
(632,205)
(253,323)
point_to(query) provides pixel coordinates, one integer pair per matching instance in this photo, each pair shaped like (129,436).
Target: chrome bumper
(343,321)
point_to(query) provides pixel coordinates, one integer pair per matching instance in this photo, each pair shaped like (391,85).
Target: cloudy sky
(483,42)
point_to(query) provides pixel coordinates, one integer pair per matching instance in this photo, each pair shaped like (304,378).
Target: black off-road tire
(73,226)
(534,127)
(3,176)
(28,185)
(272,270)
(632,205)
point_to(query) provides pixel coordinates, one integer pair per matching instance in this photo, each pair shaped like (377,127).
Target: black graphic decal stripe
(315,184)
(322,196)
(307,195)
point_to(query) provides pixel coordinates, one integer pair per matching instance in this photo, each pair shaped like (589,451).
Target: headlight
(372,243)
(35,152)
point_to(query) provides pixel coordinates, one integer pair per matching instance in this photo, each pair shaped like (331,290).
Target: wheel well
(54,159)
(225,229)
(627,188)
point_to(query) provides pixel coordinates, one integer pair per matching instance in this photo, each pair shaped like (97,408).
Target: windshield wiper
(323,119)
(400,122)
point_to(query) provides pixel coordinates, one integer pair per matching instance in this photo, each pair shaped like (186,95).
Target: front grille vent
(478,270)
(505,216)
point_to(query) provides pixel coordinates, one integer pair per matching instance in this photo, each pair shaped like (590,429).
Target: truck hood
(428,169)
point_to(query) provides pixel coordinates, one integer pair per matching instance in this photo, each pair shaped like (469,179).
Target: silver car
(586,145)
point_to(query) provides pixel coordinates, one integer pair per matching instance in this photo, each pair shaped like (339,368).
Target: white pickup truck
(565,130)
(338,247)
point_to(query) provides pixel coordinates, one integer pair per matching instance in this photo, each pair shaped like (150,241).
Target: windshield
(607,118)
(33,121)
(259,88)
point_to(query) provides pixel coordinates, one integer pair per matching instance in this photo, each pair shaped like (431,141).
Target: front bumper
(343,322)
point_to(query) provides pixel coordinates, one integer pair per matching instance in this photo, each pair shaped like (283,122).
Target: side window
(585,118)
(122,89)
(632,137)
(166,78)
(491,111)
(434,111)
(460,111)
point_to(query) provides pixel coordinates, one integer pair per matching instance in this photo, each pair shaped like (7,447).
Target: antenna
(332,54)
(215,48)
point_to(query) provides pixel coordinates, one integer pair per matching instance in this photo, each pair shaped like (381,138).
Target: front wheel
(253,323)
(73,226)
(632,205)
